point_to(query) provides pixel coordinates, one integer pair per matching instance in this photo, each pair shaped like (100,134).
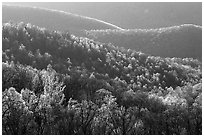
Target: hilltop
(53,19)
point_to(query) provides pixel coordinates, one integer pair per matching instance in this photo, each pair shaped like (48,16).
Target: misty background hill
(132,15)
(53,20)
(177,41)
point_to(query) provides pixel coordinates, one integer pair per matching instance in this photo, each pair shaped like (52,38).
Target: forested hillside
(176,41)
(53,20)
(57,83)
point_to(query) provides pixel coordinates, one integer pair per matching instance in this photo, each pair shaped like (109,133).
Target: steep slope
(53,19)
(177,41)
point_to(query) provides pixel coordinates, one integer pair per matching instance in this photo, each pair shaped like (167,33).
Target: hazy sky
(132,15)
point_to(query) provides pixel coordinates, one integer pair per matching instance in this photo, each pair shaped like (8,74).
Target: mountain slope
(53,19)
(57,83)
(177,41)
(31,45)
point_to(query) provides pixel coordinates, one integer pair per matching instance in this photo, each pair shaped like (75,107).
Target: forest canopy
(56,83)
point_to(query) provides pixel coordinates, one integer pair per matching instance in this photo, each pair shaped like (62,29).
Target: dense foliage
(56,83)
(177,41)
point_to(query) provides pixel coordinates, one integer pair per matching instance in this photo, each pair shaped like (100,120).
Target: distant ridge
(76,15)
(176,41)
(53,19)
(162,29)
